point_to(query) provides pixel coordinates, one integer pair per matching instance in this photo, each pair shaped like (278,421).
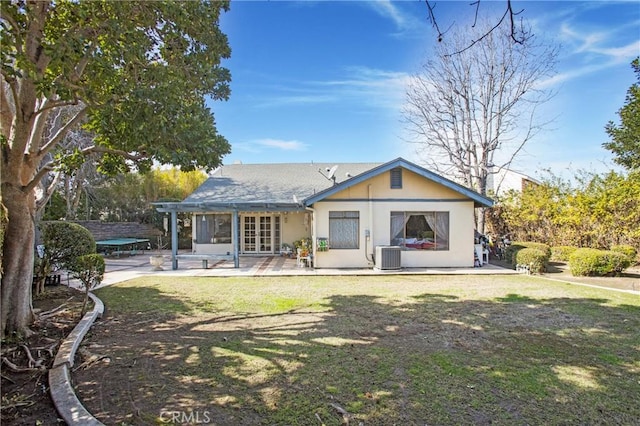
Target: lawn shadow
(428,358)
(555,267)
(517,298)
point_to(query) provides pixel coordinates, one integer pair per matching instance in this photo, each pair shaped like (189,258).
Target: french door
(260,234)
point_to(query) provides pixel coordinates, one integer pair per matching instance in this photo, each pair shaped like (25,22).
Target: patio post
(236,240)
(174,240)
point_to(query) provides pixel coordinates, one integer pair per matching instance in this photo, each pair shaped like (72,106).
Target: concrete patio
(126,268)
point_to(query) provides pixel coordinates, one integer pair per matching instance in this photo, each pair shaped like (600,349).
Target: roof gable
(479,200)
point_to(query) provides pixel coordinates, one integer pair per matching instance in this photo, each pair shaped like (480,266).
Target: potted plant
(285,250)
(157,260)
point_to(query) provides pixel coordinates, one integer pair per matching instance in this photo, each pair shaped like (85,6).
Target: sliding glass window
(420,230)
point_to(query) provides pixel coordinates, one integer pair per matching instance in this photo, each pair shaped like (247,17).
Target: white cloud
(603,42)
(370,86)
(621,53)
(388,10)
(405,22)
(281,144)
(367,87)
(302,99)
(245,147)
(612,58)
(593,50)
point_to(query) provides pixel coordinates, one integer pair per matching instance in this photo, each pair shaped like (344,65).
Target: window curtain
(439,223)
(398,222)
(442,230)
(343,230)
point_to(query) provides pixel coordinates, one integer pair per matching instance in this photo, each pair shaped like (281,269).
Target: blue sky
(324,81)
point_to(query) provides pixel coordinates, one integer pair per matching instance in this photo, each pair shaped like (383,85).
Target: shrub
(516,246)
(627,250)
(512,250)
(63,243)
(89,269)
(562,253)
(533,257)
(598,263)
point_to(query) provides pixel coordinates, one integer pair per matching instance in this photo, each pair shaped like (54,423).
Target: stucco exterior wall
(413,186)
(295,226)
(375,201)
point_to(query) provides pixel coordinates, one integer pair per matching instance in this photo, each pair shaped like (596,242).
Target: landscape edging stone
(62,393)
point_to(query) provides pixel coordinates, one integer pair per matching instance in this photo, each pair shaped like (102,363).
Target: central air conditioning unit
(388,257)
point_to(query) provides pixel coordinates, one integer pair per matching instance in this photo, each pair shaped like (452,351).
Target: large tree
(140,72)
(471,108)
(625,137)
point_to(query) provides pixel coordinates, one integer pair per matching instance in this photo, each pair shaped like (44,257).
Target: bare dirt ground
(25,395)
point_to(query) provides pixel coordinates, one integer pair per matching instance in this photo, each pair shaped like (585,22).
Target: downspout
(313,234)
(369,238)
(174,240)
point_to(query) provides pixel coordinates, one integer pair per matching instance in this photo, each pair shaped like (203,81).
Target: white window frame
(344,230)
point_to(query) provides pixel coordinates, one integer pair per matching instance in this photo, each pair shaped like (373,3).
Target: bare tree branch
(508,13)
(60,134)
(51,165)
(466,112)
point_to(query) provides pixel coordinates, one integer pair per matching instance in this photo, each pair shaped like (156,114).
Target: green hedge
(533,257)
(562,253)
(597,263)
(627,250)
(516,246)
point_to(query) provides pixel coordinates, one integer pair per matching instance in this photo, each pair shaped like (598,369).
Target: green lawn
(380,350)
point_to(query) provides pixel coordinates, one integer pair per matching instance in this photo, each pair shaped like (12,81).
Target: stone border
(60,388)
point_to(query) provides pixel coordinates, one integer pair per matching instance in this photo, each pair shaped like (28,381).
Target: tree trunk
(481,220)
(17,262)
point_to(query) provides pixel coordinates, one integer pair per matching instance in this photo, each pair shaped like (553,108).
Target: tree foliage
(138,74)
(598,211)
(128,197)
(625,137)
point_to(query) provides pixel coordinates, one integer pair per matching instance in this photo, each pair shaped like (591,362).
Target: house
(346,210)
(501,180)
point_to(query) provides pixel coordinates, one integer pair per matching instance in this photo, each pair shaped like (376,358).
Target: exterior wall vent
(396,178)
(388,257)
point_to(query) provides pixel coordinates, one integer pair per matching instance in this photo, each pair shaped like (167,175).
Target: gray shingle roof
(271,183)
